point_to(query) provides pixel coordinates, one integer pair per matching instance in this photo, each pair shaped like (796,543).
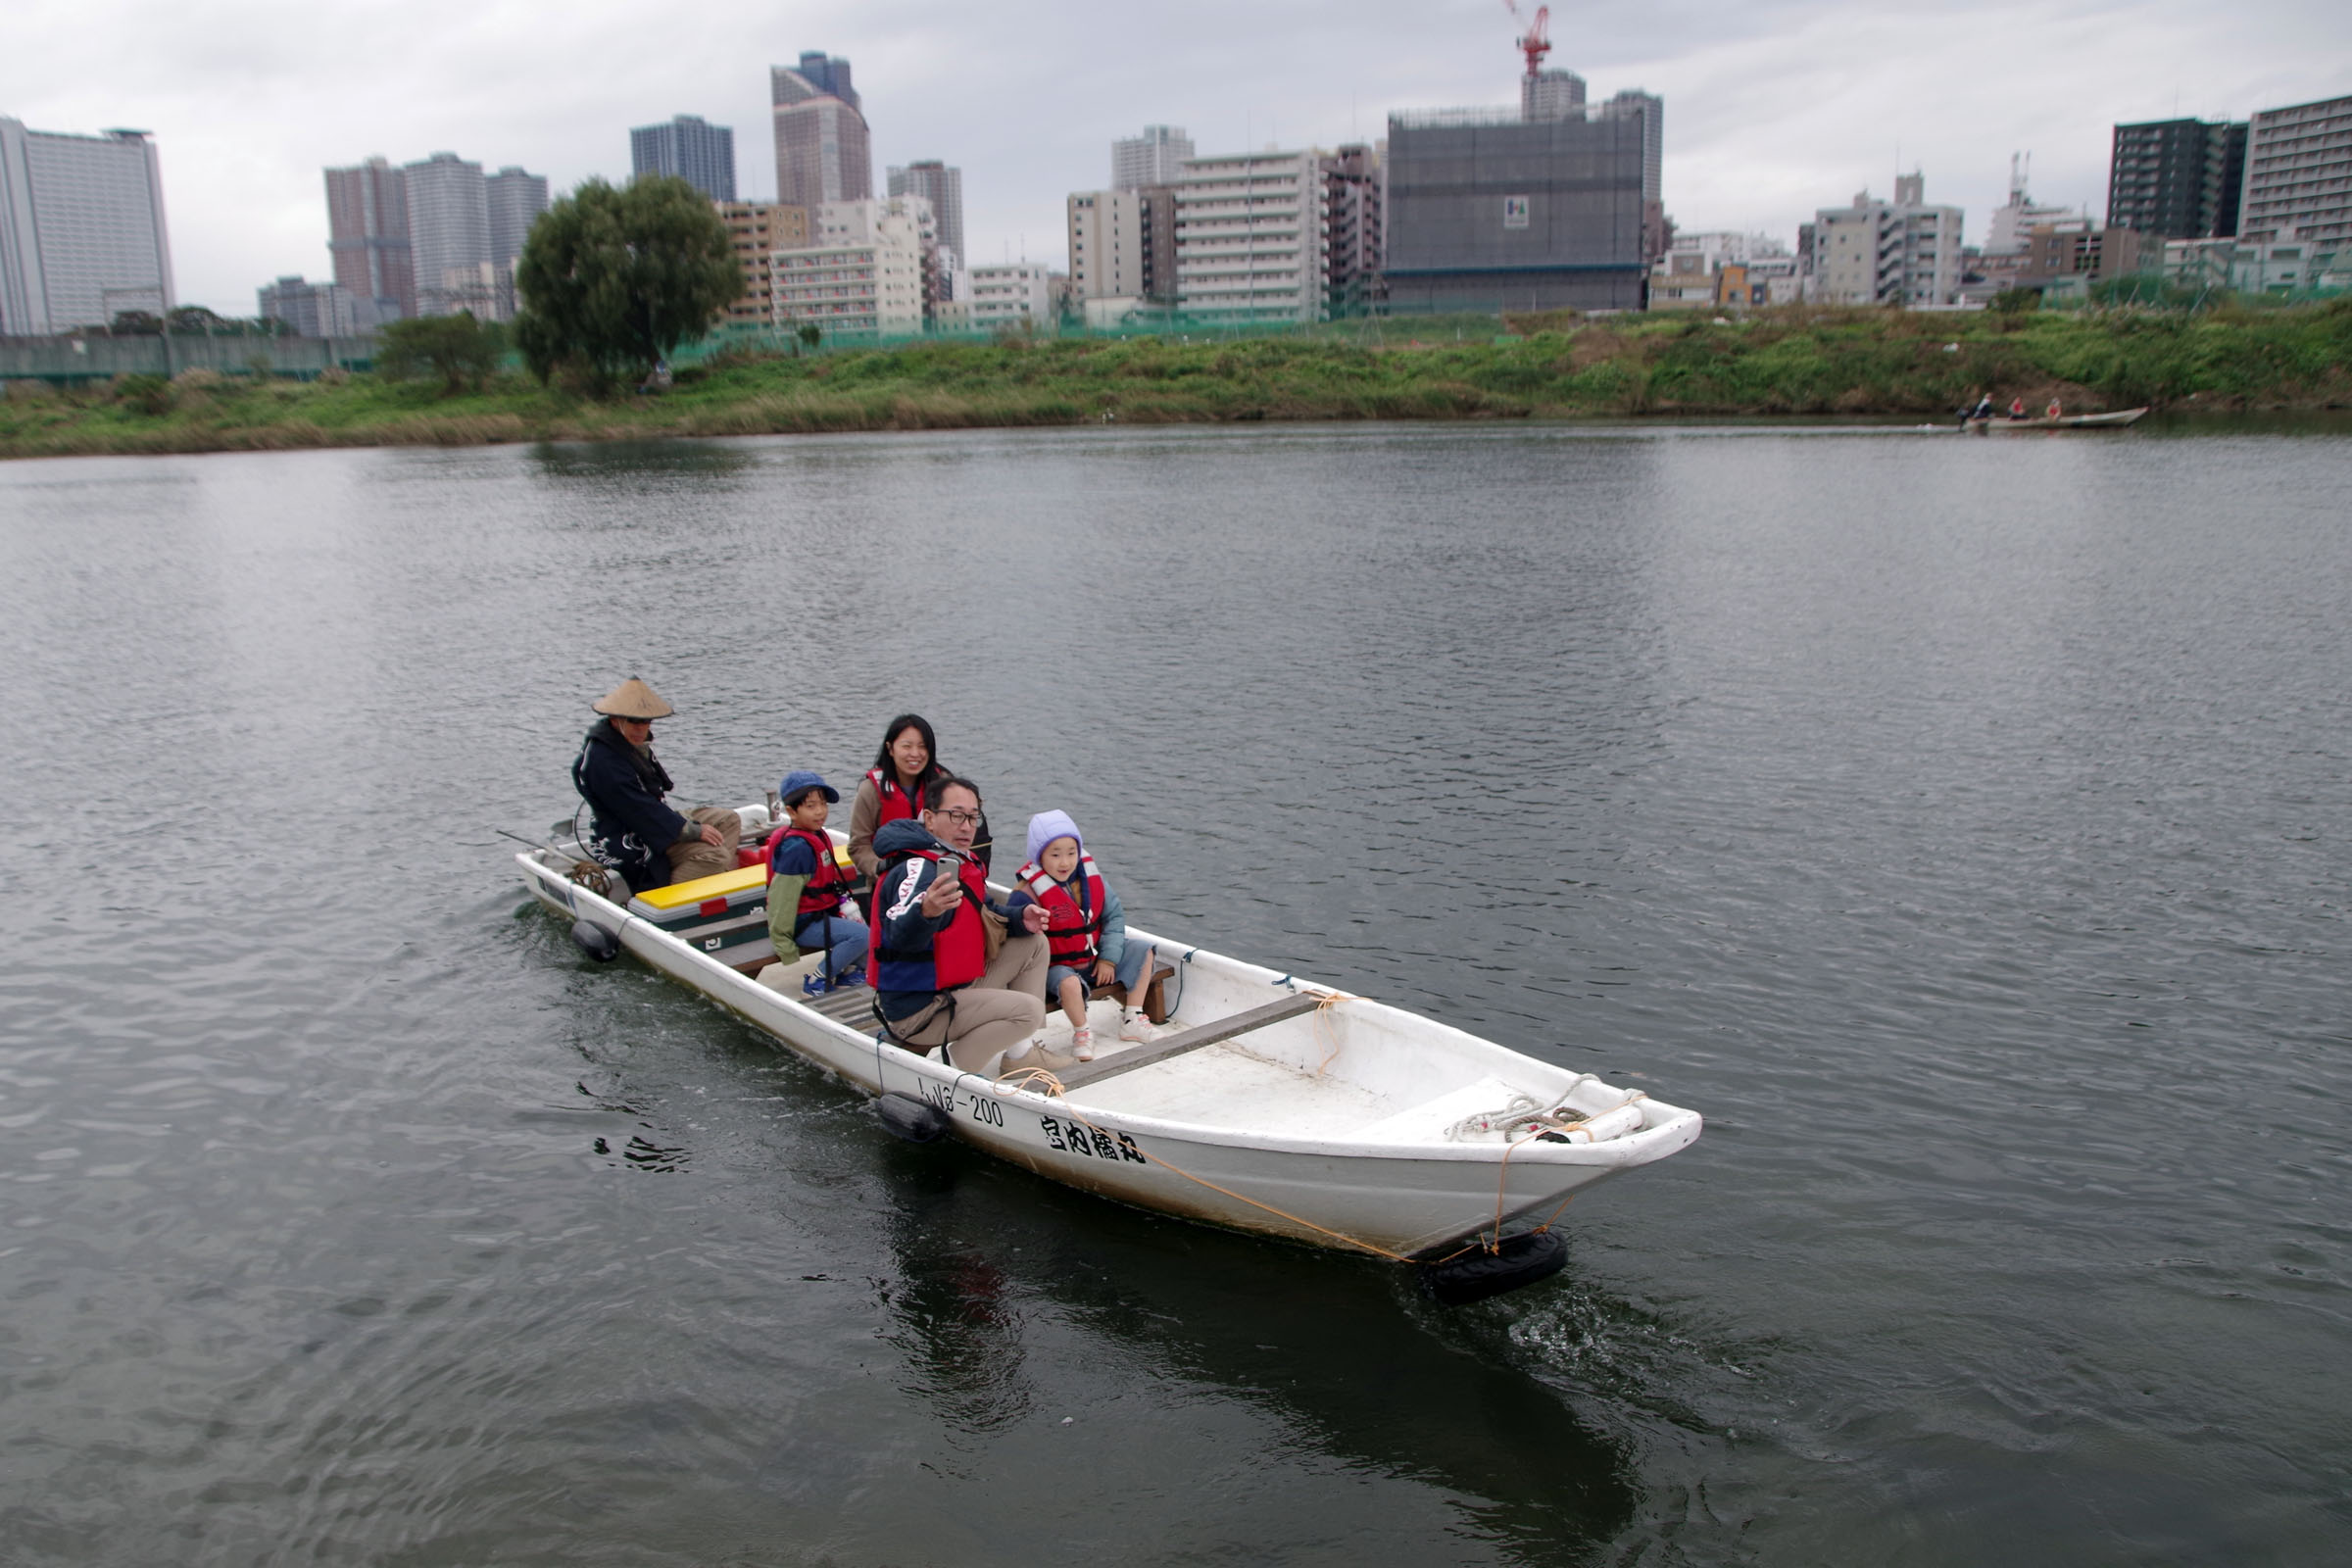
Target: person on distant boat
(1086,939)
(892,790)
(2017,407)
(631,829)
(808,900)
(1982,411)
(934,982)
(2051,413)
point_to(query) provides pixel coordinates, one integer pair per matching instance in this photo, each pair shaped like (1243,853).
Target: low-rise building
(2256,266)
(318,310)
(2077,250)
(1011,293)
(1721,270)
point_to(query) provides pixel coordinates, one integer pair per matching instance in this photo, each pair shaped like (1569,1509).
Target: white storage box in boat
(712,912)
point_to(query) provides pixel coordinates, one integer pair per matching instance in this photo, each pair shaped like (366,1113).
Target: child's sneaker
(1082,1044)
(813,986)
(1135,1026)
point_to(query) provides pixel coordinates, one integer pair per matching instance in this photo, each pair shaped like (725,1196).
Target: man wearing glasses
(933,979)
(630,827)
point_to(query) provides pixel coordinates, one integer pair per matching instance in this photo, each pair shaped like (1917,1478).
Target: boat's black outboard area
(1478,1274)
(595,941)
(918,1122)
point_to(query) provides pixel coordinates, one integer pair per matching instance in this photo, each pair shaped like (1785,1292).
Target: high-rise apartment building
(690,148)
(1884,253)
(367,236)
(448,231)
(1106,245)
(1649,110)
(2299,175)
(82,230)
(941,186)
(865,270)
(1249,241)
(1154,157)
(516,200)
(2177,178)
(758,230)
(823,153)
(1353,229)
(1551,95)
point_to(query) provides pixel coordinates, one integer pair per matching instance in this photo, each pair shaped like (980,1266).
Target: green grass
(1793,362)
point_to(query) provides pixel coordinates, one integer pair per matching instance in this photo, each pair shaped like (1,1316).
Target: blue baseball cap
(802,779)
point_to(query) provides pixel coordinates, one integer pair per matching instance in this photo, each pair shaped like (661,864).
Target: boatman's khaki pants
(1003,1009)
(694,859)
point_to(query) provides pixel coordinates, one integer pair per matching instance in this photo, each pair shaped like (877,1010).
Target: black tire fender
(1521,1259)
(903,1115)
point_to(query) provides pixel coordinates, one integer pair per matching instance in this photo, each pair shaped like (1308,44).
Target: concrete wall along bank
(69,361)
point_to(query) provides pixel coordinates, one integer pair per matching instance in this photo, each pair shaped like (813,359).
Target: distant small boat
(2065,422)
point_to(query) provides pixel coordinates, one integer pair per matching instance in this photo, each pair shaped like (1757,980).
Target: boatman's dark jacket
(628,824)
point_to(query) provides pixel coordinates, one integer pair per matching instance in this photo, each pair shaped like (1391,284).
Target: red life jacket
(1075,934)
(896,805)
(958,955)
(828,886)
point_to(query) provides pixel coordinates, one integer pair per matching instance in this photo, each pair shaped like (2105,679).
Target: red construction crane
(1534,43)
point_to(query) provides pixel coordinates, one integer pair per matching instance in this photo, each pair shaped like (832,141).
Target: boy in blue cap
(808,888)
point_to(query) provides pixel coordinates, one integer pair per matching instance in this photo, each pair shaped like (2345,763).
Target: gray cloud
(1774,108)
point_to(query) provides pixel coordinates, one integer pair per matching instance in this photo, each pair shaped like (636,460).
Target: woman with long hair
(892,790)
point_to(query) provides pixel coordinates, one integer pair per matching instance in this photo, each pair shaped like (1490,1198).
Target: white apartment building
(1106,245)
(1250,238)
(2299,175)
(864,273)
(82,230)
(1005,295)
(1880,253)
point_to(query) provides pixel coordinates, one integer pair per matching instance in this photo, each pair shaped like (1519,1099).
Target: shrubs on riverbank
(1789,362)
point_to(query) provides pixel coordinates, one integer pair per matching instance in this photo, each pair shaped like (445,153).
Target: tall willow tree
(612,279)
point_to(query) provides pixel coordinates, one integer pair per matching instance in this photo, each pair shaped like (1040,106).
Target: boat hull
(1421,1201)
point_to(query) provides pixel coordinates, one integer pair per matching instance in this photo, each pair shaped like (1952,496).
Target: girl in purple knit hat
(1086,939)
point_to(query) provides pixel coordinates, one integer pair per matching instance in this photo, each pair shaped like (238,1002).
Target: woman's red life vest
(958,955)
(896,805)
(1075,934)
(828,886)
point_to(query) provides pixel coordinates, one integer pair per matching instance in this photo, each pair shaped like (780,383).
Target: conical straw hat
(634,699)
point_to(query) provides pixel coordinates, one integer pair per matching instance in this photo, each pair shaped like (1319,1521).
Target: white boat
(1267,1102)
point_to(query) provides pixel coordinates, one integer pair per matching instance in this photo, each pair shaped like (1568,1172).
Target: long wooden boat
(1268,1102)
(2065,422)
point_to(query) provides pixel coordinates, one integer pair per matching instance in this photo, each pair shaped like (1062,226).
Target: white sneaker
(1135,1026)
(1082,1044)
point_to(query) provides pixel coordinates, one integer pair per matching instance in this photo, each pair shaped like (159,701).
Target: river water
(1959,824)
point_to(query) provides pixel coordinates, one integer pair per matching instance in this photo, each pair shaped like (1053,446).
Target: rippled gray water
(1960,825)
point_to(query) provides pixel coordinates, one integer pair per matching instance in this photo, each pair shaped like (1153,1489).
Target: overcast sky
(1772,107)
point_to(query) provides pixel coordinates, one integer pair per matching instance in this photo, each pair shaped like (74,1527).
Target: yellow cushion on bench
(677,894)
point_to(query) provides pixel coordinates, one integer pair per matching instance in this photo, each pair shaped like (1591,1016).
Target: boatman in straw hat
(631,829)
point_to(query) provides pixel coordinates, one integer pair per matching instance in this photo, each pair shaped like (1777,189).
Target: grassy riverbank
(1794,361)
